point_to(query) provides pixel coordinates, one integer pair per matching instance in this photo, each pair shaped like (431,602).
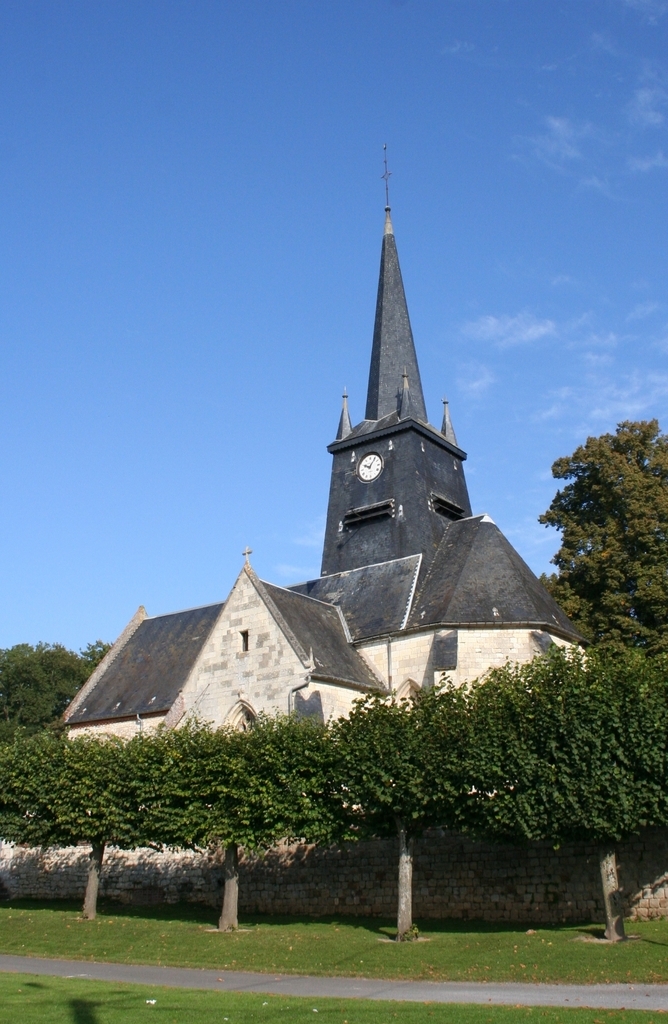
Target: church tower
(397,481)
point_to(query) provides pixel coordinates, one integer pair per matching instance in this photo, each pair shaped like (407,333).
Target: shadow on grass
(83,1011)
(591,931)
(598,932)
(200,914)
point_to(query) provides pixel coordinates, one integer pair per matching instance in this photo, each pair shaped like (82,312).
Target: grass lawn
(456,951)
(32,999)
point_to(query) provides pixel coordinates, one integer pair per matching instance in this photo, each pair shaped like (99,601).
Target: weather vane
(386,177)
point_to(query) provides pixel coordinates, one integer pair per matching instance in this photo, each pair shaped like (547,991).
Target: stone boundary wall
(453,878)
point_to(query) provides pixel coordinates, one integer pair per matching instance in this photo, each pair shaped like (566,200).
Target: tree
(400,772)
(37,683)
(60,792)
(613,516)
(572,747)
(228,789)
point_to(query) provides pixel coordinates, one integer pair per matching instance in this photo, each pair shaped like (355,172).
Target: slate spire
(345,426)
(393,349)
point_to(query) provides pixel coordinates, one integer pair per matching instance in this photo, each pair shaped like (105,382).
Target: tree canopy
(60,792)
(571,747)
(613,517)
(253,789)
(38,682)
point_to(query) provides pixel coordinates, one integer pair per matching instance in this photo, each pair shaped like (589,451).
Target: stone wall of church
(325,701)
(477,651)
(126,728)
(481,649)
(453,878)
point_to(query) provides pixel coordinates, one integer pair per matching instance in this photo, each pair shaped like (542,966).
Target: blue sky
(191,214)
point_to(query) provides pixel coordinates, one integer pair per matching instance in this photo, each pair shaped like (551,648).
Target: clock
(370,467)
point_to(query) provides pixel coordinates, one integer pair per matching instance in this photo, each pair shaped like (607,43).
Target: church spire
(393,348)
(447,429)
(345,426)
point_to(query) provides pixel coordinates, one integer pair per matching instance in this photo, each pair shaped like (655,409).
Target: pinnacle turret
(406,404)
(345,426)
(447,428)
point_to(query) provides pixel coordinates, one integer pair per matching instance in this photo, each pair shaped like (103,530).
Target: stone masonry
(453,878)
(478,650)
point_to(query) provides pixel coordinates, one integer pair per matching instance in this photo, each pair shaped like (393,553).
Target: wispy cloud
(607,401)
(642,310)
(560,144)
(296,573)
(598,341)
(459,46)
(599,184)
(313,534)
(646,108)
(474,379)
(571,148)
(600,400)
(602,41)
(651,9)
(648,163)
(560,279)
(505,331)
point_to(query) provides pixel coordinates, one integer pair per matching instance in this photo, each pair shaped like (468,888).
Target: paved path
(613,997)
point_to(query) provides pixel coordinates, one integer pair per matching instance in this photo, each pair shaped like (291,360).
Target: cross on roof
(246,552)
(386,177)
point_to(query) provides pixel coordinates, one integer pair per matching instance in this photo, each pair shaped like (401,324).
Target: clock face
(369,467)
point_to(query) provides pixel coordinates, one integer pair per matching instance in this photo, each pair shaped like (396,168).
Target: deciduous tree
(60,792)
(571,748)
(400,771)
(37,683)
(252,789)
(613,517)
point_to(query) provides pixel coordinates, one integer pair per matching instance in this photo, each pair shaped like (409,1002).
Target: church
(412,586)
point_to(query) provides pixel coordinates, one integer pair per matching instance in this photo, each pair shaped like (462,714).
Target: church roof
(477,578)
(375,599)
(150,669)
(393,351)
(319,628)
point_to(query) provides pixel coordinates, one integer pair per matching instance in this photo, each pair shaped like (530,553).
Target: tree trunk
(612,897)
(229,920)
(93,883)
(405,908)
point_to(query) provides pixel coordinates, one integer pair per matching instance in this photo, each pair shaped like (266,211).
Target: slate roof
(477,577)
(318,627)
(374,599)
(149,671)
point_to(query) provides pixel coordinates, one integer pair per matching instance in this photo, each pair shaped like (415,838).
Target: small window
(244,639)
(242,717)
